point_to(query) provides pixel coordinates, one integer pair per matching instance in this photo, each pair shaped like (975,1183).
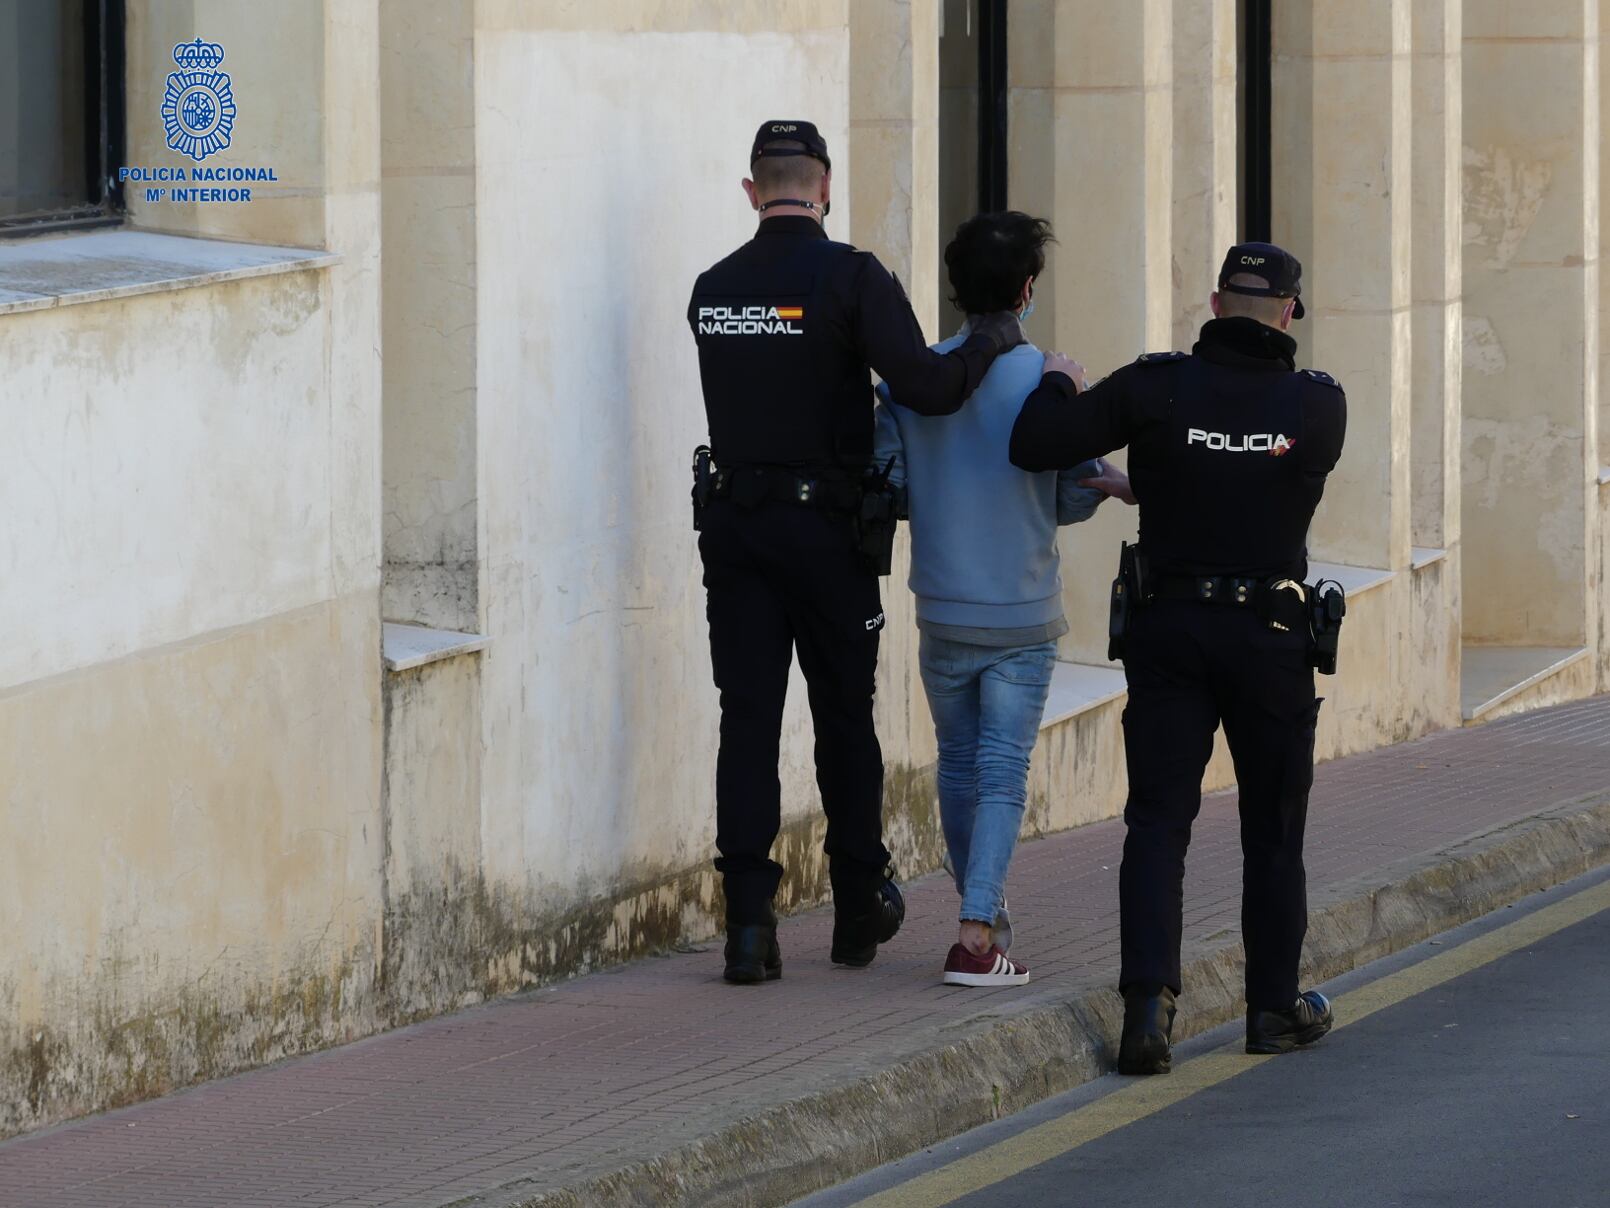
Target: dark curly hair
(990,258)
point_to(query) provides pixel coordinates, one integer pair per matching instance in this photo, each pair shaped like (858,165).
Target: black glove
(1001,329)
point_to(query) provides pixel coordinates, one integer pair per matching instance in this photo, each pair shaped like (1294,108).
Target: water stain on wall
(1503,195)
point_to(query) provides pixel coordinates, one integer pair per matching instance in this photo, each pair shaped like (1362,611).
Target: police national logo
(198,105)
(751,320)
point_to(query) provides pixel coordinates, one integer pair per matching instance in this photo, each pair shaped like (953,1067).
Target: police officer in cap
(794,534)
(1229,447)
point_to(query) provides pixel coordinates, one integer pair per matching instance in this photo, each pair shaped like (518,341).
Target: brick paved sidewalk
(626,1063)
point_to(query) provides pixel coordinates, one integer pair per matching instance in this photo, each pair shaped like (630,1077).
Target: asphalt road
(1475,1072)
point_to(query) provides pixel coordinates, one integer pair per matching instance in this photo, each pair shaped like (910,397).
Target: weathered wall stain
(1483,352)
(1503,195)
(101,1059)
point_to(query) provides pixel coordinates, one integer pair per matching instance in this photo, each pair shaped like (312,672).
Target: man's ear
(1213,303)
(1026,294)
(749,192)
(1288,314)
(827,189)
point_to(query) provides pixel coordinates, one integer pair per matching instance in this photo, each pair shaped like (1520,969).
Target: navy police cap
(1278,267)
(789,132)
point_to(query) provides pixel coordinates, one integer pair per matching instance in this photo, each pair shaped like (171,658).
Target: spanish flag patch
(790,312)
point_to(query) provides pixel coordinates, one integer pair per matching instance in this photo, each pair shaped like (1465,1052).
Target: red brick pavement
(634,1060)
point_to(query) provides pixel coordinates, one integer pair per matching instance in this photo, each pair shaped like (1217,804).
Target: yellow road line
(1147,1096)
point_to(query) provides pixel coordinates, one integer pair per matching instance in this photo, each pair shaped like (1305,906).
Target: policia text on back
(794,530)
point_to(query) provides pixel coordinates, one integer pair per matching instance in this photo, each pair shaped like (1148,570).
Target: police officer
(1229,447)
(787,328)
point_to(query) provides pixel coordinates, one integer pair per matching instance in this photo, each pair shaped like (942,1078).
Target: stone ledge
(404,647)
(1355,580)
(1491,675)
(1079,687)
(95,266)
(1423,556)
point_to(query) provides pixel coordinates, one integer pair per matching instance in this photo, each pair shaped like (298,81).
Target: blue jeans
(987,704)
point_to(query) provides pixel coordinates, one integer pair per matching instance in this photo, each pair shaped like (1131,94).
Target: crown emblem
(198,55)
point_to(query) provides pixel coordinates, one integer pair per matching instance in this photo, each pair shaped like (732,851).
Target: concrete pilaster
(894,160)
(1531,325)
(1205,135)
(1341,201)
(1092,134)
(1436,281)
(430,428)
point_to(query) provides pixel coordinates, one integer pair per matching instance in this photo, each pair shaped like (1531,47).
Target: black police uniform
(787,328)
(1229,447)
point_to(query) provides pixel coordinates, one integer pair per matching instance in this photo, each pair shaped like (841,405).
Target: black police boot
(894,907)
(752,952)
(1148,1029)
(866,912)
(1281,1031)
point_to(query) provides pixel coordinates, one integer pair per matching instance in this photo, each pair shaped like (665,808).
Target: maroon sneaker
(994,968)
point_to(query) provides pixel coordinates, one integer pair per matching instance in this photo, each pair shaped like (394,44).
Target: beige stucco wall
(192,882)
(599,721)
(190,712)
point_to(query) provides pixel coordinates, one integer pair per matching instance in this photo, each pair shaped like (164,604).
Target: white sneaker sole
(984,980)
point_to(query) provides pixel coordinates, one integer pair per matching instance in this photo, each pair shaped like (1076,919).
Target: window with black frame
(61,113)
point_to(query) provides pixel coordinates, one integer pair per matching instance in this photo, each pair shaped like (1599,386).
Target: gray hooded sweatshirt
(984,561)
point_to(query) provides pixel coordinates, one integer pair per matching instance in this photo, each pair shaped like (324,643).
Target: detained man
(986,573)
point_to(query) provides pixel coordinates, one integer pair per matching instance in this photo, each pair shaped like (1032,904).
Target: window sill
(1424,556)
(40,274)
(1491,675)
(1079,687)
(404,647)
(1355,580)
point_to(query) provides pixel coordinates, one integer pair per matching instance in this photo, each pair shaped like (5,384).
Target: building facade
(357,665)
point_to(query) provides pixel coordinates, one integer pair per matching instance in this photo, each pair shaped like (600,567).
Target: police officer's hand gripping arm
(1062,423)
(927,382)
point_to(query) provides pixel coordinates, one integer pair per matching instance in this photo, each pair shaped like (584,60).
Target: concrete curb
(824,1138)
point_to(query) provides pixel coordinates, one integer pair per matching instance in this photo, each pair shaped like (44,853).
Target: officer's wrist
(1061,381)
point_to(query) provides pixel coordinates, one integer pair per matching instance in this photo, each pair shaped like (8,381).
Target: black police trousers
(781,577)
(1191,666)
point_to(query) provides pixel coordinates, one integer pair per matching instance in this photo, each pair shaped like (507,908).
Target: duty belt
(1213,589)
(752,485)
(1278,601)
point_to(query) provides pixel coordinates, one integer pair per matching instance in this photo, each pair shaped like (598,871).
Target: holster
(875,521)
(1327,605)
(703,480)
(1282,605)
(1128,594)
